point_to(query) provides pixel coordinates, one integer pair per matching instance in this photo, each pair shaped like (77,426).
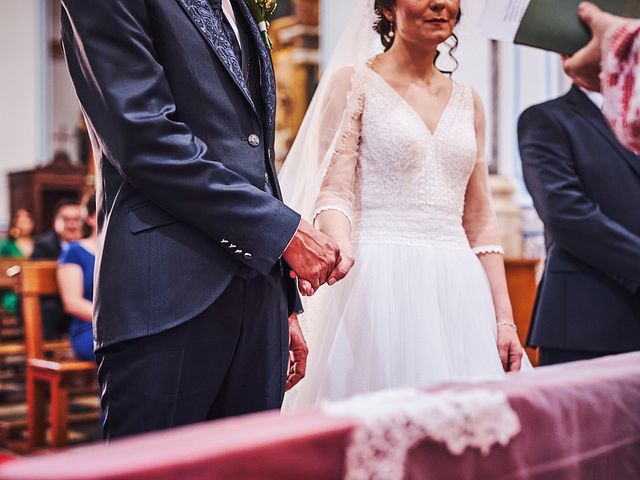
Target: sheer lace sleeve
(479,220)
(620,85)
(338,183)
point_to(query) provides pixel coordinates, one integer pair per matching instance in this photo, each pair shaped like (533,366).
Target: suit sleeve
(128,103)
(576,223)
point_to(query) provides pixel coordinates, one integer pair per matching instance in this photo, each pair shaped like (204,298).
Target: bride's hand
(345,263)
(509,347)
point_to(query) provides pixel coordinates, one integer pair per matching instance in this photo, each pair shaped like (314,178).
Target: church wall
(23,121)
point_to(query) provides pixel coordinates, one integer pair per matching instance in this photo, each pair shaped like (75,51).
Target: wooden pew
(38,278)
(10,329)
(13,343)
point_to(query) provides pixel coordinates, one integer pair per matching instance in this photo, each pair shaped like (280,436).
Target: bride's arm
(334,207)
(481,227)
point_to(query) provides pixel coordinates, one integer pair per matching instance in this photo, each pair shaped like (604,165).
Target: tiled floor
(78,433)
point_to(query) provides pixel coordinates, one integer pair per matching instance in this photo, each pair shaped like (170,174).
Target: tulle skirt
(404,316)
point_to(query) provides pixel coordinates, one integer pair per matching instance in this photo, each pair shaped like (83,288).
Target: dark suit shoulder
(555,108)
(47,246)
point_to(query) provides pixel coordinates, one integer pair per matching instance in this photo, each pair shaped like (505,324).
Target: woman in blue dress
(75,282)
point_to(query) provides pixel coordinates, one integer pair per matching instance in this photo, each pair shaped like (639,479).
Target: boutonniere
(260,9)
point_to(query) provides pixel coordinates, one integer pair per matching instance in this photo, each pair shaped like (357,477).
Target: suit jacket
(182,155)
(586,188)
(47,246)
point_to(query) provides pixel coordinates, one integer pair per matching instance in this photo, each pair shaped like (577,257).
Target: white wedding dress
(416,308)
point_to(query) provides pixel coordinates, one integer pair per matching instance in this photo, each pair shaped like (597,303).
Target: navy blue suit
(586,189)
(191,222)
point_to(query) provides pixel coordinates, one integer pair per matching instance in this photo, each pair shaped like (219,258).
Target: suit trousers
(229,360)
(553,356)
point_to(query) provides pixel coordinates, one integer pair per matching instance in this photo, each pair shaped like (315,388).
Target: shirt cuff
(290,240)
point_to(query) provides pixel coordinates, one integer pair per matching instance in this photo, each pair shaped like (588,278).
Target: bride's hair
(384,28)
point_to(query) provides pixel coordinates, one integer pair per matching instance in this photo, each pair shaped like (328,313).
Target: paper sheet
(501,18)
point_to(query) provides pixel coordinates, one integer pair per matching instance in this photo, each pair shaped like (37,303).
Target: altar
(575,421)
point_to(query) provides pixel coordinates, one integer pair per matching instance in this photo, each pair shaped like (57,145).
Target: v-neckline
(412,109)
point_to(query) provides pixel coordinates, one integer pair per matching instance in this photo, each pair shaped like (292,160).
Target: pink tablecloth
(579,421)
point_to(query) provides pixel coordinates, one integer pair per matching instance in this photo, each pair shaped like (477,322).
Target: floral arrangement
(260,9)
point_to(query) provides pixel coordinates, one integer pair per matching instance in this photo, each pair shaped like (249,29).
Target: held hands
(314,258)
(341,270)
(585,65)
(509,347)
(298,352)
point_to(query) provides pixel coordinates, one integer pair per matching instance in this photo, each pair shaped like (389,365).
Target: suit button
(231,247)
(247,256)
(237,252)
(254,140)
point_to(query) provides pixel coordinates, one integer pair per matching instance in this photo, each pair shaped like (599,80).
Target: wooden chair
(37,279)
(521,282)
(10,329)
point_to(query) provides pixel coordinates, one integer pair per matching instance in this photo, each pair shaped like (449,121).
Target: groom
(196,249)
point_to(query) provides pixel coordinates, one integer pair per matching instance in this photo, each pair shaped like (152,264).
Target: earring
(392,27)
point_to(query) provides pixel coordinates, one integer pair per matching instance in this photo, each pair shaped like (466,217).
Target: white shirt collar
(231,18)
(595,97)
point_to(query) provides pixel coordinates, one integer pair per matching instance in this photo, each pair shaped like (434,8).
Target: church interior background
(46,155)
(43,119)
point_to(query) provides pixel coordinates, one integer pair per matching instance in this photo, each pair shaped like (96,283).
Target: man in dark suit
(67,227)
(196,249)
(586,189)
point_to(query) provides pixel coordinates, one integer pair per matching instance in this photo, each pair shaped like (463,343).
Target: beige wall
(63,104)
(22,92)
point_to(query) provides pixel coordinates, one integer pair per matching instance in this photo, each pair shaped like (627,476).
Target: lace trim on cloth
(485,249)
(349,126)
(324,208)
(344,150)
(393,421)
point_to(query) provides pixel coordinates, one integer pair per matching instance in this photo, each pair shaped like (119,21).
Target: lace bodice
(399,182)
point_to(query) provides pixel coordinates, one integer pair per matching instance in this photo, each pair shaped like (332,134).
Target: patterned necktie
(216,6)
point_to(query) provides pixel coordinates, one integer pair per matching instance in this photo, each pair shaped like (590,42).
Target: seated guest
(586,189)
(67,227)
(75,283)
(18,244)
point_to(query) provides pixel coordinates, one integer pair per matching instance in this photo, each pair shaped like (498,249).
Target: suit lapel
(208,23)
(267,79)
(588,110)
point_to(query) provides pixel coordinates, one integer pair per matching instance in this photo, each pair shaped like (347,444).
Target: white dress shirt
(595,97)
(231,18)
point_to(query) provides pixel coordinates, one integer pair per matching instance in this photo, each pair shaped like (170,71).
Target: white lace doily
(393,421)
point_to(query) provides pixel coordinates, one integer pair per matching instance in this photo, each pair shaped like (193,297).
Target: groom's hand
(344,265)
(312,255)
(298,352)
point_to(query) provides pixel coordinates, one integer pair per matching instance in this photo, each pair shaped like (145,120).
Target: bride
(390,163)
